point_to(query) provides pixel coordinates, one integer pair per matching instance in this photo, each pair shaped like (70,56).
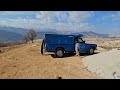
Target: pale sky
(97,21)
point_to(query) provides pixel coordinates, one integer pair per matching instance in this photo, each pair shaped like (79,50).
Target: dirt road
(26,62)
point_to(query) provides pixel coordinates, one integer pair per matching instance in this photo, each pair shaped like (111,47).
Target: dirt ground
(26,62)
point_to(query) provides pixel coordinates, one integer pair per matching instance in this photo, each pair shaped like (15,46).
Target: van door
(70,43)
(82,45)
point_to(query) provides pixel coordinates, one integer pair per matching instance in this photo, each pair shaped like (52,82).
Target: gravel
(106,64)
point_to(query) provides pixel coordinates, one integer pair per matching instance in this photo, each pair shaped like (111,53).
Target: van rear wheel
(59,53)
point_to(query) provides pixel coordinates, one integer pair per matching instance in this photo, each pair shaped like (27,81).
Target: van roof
(76,35)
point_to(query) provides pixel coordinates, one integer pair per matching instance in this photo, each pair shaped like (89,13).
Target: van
(61,44)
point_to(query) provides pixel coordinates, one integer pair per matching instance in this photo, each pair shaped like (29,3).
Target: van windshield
(80,40)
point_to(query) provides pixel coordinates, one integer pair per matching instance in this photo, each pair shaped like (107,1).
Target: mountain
(42,33)
(10,36)
(114,35)
(46,30)
(15,34)
(91,34)
(20,31)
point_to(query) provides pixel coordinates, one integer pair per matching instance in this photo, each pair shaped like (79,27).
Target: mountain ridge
(10,36)
(16,34)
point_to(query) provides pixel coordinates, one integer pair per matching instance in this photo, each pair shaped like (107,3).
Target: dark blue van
(60,44)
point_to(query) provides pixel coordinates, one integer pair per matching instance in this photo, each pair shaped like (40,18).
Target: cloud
(59,20)
(64,16)
(65,20)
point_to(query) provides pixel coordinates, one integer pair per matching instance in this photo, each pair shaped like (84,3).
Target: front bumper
(96,48)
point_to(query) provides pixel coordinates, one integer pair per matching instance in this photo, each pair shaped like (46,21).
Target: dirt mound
(106,64)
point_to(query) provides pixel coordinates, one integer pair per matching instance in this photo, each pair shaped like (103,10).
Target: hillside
(91,34)
(9,36)
(88,34)
(41,34)
(20,31)
(15,34)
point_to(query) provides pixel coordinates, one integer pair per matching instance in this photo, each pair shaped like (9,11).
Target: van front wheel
(91,51)
(59,53)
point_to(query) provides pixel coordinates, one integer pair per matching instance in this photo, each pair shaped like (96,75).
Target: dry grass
(105,43)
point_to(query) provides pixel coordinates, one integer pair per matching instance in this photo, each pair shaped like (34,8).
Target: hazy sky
(97,21)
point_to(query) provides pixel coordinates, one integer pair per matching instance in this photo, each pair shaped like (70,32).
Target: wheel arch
(60,48)
(91,47)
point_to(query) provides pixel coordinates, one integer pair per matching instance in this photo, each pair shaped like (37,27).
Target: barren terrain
(26,62)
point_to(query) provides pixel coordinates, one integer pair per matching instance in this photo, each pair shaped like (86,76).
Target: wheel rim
(59,53)
(91,51)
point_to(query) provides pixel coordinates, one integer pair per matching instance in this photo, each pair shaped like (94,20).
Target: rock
(34,45)
(59,77)
(14,66)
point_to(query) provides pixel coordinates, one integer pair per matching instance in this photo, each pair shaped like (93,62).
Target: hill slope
(41,34)
(20,31)
(9,36)
(91,34)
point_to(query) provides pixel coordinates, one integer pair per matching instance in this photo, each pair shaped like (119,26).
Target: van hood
(95,45)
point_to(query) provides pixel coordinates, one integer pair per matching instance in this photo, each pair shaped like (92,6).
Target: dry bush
(32,35)
(25,39)
(6,44)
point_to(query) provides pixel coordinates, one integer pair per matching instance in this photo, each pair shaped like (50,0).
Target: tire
(59,53)
(91,51)
(42,47)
